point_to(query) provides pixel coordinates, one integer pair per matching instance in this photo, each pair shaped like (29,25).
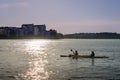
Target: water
(39,59)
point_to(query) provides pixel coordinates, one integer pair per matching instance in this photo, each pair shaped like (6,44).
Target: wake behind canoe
(84,56)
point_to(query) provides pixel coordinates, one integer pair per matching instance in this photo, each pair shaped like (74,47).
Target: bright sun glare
(36,46)
(38,60)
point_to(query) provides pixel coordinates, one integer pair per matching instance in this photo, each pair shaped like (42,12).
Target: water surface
(39,59)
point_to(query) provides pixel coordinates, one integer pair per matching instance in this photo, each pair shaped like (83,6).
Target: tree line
(101,35)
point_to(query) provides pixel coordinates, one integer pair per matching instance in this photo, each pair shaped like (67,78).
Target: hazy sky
(66,16)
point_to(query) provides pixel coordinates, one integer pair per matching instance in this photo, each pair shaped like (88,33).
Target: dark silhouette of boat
(84,56)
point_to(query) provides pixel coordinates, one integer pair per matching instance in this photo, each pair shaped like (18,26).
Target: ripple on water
(45,63)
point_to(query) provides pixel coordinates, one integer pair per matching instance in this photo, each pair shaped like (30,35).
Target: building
(3,31)
(12,31)
(28,29)
(20,32)
(8,31)
(40,30)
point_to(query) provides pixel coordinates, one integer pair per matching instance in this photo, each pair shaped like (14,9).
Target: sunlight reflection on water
(36,46)
(37,64)
(39,59)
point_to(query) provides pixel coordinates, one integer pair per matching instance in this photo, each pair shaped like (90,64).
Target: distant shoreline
(30,38)
(102,35)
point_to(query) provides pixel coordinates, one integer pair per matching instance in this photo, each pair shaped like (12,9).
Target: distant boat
(84,56)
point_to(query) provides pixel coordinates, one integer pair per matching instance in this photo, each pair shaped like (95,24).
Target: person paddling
(92,54)
(75,56)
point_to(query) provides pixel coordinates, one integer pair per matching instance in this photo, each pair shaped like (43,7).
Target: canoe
(84,56)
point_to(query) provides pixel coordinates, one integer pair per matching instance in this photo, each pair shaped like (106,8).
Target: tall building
(28,29)
(40,30)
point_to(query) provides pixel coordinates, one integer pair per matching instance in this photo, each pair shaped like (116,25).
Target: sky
(66,16)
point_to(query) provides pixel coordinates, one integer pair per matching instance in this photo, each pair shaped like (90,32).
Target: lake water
(39,59)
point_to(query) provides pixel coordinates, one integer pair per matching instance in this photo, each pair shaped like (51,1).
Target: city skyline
(28,31)
(66,16)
